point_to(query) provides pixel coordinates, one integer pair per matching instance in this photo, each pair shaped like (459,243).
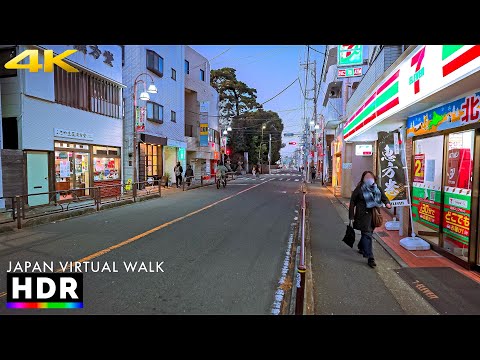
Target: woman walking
(365,197)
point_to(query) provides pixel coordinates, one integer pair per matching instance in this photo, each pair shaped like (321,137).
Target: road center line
(164,225)
(148,232)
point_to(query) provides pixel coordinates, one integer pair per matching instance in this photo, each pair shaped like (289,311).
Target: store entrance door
(37,177)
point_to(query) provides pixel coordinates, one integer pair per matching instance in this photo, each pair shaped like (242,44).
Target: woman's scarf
(372,195)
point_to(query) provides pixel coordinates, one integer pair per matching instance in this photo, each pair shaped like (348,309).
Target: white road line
(296,179)
(280,179)
(287,180)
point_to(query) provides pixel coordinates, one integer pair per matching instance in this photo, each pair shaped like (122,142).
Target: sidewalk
(417,258)
(443,284)
(343,283)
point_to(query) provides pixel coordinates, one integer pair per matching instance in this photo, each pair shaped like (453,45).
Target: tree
(246,135)
(235,97)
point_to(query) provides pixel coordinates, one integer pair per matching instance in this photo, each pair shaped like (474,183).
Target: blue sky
(269,69)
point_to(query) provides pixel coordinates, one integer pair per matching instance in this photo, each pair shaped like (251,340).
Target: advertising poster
(64,168)
(456,215)
(426,205)
(392,175)
(419,168)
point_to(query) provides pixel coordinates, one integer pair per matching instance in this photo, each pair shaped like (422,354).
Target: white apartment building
(201,115)
(61,130)
(162,143)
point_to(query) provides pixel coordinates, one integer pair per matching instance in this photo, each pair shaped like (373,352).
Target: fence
(203,181)
(17,209)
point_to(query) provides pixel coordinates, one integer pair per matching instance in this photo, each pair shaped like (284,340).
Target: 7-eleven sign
(350,55)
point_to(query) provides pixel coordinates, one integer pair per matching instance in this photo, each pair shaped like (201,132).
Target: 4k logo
(49,60)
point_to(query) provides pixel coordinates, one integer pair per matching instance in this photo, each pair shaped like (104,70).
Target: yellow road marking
(148,232)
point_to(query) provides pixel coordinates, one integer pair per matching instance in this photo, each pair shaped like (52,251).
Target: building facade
(430,97)
(62,130)
(337,85)
(162,141)
(201,115)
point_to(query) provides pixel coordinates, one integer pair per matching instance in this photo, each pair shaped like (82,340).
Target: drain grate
(382,234)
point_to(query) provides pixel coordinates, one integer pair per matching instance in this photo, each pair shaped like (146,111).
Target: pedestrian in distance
(365,197)
(257,172)
(178,170)
(189,175)
(313,172)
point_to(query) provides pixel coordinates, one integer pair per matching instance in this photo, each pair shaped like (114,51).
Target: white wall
(95,65)
(41,117)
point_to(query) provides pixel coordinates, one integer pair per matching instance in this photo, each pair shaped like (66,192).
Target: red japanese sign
(429,213)
(457,223)
(419,168)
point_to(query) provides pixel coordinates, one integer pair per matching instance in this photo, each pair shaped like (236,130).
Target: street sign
(288,134)
(292,143)
(349,72)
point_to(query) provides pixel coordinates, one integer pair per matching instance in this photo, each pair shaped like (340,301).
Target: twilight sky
(269,69)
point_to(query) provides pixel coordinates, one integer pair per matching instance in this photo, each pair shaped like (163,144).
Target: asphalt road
(222,250)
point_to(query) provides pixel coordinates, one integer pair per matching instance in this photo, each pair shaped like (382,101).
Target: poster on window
(64,168)
(419,168)
(140,115)
(392,175)
(456,215)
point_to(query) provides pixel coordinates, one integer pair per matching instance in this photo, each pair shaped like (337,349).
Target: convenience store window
(458,193)
(106,163)
(427,187)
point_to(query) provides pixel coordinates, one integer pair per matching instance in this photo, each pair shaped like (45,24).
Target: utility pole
(269,151)
(315,156)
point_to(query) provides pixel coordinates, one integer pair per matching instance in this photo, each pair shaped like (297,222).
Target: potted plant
(166,178)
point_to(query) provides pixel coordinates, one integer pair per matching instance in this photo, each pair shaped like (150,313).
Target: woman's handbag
(349,237)
(377,217)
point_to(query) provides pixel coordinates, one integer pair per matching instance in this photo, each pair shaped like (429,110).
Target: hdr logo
(44,291)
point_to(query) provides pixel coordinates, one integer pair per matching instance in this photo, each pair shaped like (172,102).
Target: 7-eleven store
(431,94)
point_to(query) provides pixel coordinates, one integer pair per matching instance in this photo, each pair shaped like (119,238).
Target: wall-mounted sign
(349,72)
(73,134)
(350,55)
(181,154)
(204,106)
(426,70)
(461,112)
(363,150)
(204,134)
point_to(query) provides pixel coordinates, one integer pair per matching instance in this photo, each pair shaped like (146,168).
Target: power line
(293,82)
(209,61)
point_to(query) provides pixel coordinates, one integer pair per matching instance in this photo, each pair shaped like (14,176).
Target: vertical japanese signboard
(456,214)
(140,115)
(392,175)
(419,168)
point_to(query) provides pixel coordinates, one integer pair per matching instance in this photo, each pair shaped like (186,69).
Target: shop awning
(429,76)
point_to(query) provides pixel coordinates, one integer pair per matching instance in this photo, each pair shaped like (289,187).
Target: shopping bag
(349,237)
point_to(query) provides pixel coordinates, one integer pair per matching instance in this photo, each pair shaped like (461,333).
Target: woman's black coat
(362,217)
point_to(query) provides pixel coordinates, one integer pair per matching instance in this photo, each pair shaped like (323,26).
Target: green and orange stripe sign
(382,100)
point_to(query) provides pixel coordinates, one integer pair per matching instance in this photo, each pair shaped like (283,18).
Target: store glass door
(458,193)
(82,173)
(427,188)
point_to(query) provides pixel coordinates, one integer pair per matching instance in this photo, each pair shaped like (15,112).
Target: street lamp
(152,89)
(312,122)
(317,127)
(229,128)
